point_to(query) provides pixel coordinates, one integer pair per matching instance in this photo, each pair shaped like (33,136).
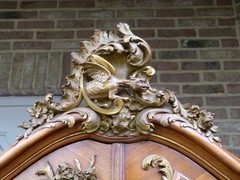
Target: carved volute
(111,74)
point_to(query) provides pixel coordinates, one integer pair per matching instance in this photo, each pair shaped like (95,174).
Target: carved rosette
(111,74)
(156,160)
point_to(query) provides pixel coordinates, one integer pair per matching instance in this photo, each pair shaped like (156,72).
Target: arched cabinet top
(111,75)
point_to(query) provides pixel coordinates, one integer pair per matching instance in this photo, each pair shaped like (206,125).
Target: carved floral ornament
(67,171)
(111,74)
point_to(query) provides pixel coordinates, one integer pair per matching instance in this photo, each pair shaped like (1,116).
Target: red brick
(164,66)
(231,65)
(200,66)
(144,33)
(5,45)
(35,24)
(224,2)
(202,89)
(217,32)
(227,22)
(179,77)
(6,25)
(163,43)
(220,54)
(66,45)
(233,88)
(223,101)
(154,3)
(234,113)
(222,76)
(215,12)
(96,14)
(176,33)
(155,23)
(53,14)
(77,4)
(196,43)
(55,35)
(8,4)
(229,126)
(177,55)
(16,35)
(173,88)
(85,34)
(18,15)
(66,24)
(36,45)
(38,4)
(114,4)
(193,2)
(174,13)
(230,43)
(197,22)
(135,13)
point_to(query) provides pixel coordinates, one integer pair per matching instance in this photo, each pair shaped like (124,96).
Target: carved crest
(112,74)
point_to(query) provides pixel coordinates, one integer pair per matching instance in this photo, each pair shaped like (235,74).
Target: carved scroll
(111,74)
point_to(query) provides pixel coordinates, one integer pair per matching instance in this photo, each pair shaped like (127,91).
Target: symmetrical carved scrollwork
(111,73)
(68,172)
(165,167)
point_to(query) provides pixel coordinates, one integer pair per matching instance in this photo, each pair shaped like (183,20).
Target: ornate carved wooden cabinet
(126,130)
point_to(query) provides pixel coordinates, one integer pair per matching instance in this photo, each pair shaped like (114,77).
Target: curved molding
(211,156)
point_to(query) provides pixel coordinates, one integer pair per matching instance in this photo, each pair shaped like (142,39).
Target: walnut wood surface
(185,148)
(111,160)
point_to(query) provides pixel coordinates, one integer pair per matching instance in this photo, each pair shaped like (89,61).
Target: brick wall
(195,45)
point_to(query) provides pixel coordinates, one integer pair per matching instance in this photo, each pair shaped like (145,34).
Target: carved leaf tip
(165,167)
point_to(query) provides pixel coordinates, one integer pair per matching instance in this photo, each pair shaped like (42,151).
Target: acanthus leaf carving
(165,167)
(68,172)
(111,74)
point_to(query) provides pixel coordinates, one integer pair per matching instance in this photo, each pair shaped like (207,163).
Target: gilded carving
(68,172)
(165,167)
(111,73)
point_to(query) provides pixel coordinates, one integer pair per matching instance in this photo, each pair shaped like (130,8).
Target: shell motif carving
(111,74)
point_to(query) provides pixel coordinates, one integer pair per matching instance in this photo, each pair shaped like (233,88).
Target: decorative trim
(66,171)
(111,74)
(191,152)
(165,167)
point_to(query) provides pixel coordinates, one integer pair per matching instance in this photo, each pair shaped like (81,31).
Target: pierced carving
(165,167)
(111,74)
(68,172)
(188,116)
(91,120)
